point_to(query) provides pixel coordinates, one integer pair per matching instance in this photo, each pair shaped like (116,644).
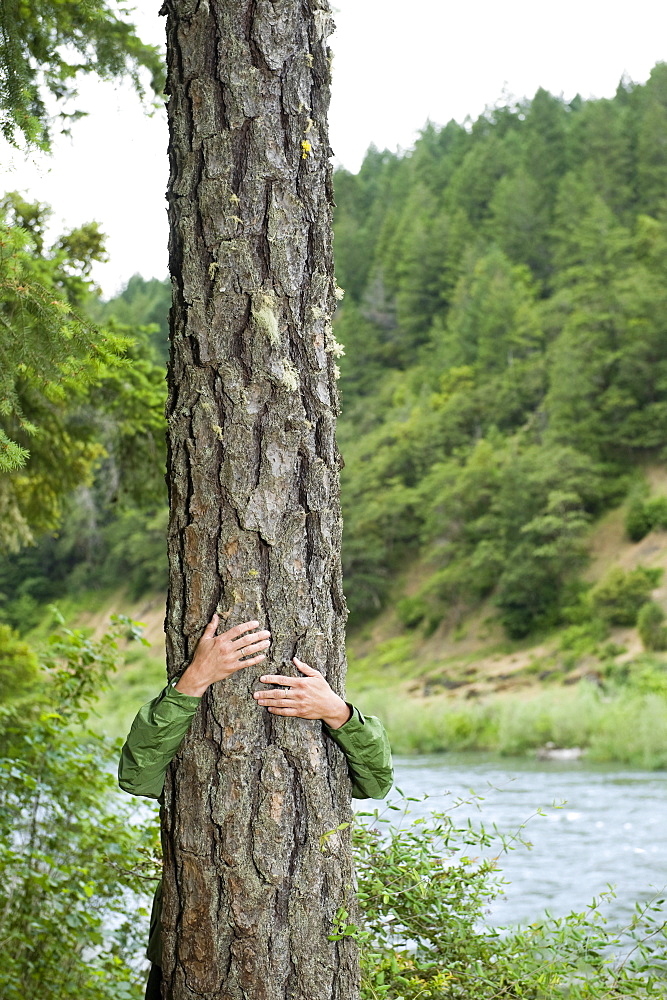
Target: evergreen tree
(493,321)
(46,44)
(519,222)
(651,107)
(50,355)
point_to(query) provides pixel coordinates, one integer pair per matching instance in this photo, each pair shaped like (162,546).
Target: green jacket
(159,728)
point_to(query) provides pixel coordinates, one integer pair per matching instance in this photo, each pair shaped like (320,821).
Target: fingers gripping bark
(306,697)
(218,656)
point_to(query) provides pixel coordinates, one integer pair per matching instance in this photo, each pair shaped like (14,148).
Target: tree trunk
(252,887)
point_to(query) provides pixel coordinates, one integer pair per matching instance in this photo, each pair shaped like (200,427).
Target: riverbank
(609,721)
(625,726)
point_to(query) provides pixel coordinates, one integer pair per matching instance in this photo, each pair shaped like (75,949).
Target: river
(611,827)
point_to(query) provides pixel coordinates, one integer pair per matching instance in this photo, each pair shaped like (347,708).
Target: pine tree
(257,865)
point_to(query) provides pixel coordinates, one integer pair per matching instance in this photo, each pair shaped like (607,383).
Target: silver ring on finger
(241,653)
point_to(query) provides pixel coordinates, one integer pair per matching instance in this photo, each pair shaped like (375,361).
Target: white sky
(396,65)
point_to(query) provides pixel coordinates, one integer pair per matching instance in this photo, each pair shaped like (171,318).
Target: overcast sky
(396,65)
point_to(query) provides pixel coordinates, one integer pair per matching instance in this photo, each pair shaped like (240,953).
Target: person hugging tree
(161,725)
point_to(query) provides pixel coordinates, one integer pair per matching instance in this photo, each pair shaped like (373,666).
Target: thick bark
(251,890)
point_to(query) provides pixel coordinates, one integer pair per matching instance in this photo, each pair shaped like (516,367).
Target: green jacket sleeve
(159,728)
(155,736)
(364,742)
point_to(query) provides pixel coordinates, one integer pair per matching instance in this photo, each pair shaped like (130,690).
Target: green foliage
(18,666)
(644,516)
(655,510)
(650,624)
(46,44)
(606,362)
(637,522)
(515,521)
(618,598)
(50,356)
(141,304)
(578,640)
(423,888)
(504,309)
(492,321)
(72,851)
(411,611)
(47,348)
(137,551)
(125,548)
(82,415)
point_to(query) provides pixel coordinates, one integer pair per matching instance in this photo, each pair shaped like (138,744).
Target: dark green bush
(650,623)
(411,611)
(637,523)
(528,596)
(656,512)
(618,598)
(644,516)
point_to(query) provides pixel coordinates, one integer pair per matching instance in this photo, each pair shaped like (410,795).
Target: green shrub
(423,888)
(411,611)
(19,668)
(70,850)
(644,516)
(656,512)
(528,599)
(646,678)
(618,598)
(652,631)
(584,638)
(637,523)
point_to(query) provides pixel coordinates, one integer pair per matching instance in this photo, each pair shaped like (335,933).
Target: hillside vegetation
(504,386)
(593,686)
(504,375)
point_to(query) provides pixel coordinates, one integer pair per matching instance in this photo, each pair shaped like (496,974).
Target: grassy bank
(624,723)
(627,727)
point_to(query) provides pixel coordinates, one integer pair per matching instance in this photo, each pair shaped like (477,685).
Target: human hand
(307,697)
(218,656)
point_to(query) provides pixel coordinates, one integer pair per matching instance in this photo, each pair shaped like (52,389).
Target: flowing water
(610,827)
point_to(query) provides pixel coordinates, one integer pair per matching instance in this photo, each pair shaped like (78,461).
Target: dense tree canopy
(77,402)
(505,336)
(50,354)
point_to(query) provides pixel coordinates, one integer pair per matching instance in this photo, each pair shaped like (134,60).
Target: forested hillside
(504,379)
(505,368)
